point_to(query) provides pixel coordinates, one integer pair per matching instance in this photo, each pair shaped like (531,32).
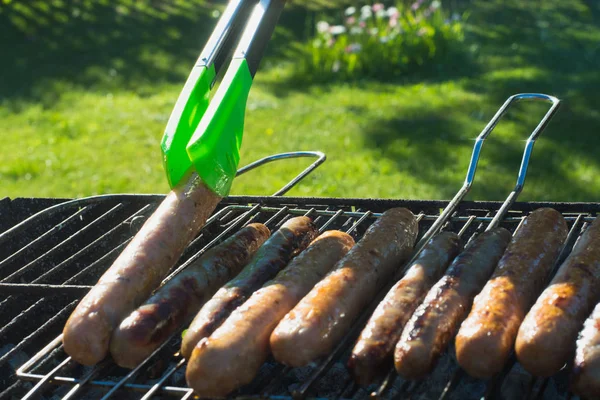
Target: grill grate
(43,275)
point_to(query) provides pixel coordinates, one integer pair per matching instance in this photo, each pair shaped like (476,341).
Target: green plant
(383,43)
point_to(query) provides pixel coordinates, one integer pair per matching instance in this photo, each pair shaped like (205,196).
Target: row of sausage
(296,293)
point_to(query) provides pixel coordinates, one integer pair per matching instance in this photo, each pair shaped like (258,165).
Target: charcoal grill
(50,260)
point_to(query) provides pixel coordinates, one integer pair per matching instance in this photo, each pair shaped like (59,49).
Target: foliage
(82,109)
(383,43)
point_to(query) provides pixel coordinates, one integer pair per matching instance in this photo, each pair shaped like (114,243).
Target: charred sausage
(585,378)
(486,338)
(233,354)
(324,315)
(138,270)
(434,323)
(179,299)
(547,336)
(289,240)
(376,342)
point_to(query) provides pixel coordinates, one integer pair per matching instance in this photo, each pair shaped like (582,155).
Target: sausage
(325,314)
(486,338)
(585,377)
(546,338)
(376,342)
(233,354)
(179,299)
(293,237)
(138,270)
(432,326)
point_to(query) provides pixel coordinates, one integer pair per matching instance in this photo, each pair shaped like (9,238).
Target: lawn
(86,89)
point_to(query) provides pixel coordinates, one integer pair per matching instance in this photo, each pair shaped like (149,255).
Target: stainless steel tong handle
(512,197)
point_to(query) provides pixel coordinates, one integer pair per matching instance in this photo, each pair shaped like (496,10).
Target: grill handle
(321,157)
(470,178)
(512,197)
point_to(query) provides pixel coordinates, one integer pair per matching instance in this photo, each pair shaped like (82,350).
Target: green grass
(82,110)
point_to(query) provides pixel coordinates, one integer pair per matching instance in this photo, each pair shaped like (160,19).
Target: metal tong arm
(207,134)
(470,178)
(512,197)
(194,97)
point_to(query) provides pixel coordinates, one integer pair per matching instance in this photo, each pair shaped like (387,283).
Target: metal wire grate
(47,264)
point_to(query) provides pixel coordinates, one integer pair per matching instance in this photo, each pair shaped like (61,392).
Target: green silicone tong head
(206,135)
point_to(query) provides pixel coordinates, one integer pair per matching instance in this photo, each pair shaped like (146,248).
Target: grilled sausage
(233,354)
(179,299)
(547,336)
(486,338)
(433,324)
(324,315)
(376,342)
(138,270)
(293,237)
(585,378)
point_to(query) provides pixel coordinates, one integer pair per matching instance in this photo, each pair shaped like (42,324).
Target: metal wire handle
(470,178)
(512,197)
(321,157)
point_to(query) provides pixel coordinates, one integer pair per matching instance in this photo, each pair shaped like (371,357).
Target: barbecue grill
(53,250)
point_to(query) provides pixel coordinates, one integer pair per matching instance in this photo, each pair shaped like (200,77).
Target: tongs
(206,135)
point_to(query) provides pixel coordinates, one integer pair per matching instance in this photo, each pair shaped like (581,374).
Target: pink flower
(351,21)
(393,22)
(362,24)
(415,6)
(378,7)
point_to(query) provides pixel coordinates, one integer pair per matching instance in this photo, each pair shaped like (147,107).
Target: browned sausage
(376,342)
(486,338)
(138,270)
(179,299)
(233,354)
(585,379)
(547,336)
(433,324)
(324,316)
(289,240)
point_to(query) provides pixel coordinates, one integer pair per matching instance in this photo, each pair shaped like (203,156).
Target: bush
(383,43)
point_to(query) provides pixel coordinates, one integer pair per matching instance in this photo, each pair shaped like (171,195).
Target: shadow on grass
(123,44)
(106,45)
(553,49)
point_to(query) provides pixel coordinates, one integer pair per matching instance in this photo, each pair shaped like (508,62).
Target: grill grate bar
(39,289)
(458,374)
(137,369)
(99,262)
(162,380)
(91,246)
(92,374)
(45,379)
(38,331)
(45,235)
(19,317)
(60,245)
(64,289)
(109,233)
